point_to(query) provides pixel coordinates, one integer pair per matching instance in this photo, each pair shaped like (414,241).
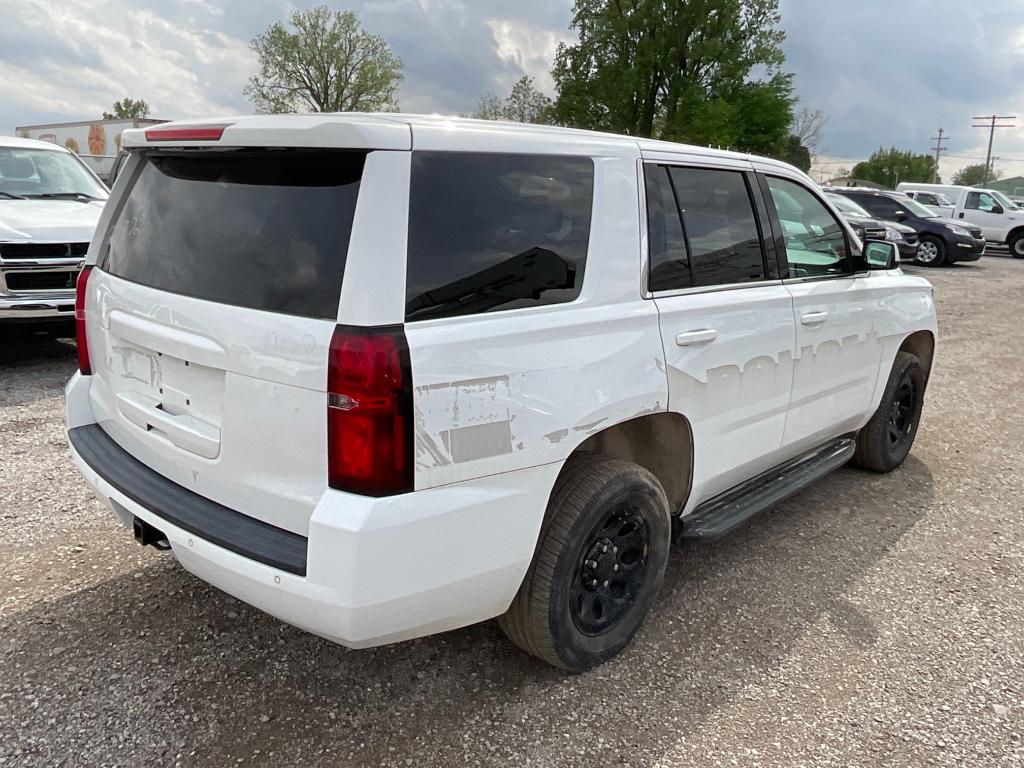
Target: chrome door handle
(696,337)
(814,318)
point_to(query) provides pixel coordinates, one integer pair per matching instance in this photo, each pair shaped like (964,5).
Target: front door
(726,322)
(837,315)
(983,210)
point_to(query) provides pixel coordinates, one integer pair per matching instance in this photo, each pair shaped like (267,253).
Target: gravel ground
(868,621)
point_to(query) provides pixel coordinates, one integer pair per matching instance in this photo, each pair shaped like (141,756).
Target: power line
(992,122)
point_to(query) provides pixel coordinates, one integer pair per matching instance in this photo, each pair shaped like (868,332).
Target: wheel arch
(921,344)
(1014,233)
(661,443)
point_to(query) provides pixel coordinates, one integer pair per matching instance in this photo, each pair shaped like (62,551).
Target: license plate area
(174,399)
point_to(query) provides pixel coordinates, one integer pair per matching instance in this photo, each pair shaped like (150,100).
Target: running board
(716,517)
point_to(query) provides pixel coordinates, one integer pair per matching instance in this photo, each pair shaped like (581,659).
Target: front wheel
(1016,245)
(599,562)
(931,252)
(886,440)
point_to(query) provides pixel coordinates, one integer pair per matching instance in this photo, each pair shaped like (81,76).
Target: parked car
(1000,220)
(941,240)
(115,169)
(381,392)
(867,228)
(50,203)
(937,201)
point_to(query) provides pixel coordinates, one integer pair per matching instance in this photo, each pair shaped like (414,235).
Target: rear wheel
(931,252)
(886,440)
(599,562)
(1017,245)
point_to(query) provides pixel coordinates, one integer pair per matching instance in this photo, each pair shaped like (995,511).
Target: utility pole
(992,122)
(938,149)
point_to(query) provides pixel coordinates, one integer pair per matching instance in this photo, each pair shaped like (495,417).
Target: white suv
(384,376)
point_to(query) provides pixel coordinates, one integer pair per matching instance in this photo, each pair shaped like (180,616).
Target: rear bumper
(37,306)
(375,570)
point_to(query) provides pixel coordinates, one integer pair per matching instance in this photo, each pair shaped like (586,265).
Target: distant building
(1011,186)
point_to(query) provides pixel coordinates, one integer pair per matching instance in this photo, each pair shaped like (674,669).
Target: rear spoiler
(323,130)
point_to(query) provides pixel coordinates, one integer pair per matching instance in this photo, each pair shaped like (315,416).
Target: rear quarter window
(490,232)
(266,230)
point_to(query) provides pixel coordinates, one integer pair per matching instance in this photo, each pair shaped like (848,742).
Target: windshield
(1004,201)
(917,209)
(846,205)
(42,173)
(941,199)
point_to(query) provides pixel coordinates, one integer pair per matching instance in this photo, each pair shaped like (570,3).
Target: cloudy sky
(884,71)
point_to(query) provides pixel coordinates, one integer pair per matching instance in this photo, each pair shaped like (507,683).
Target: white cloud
(108,51)
(529,49)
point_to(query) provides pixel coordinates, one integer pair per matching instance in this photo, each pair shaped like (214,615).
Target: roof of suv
(378,130)
(19,143)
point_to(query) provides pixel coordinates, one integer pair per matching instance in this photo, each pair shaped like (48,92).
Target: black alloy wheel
(610,571)
(885,441)
(903,412)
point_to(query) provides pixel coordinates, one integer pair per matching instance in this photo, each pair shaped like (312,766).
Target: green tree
(704,71)
(490,107)
(889,167)
(526,104)
(326,62)
(974,175)
(127,109)
(795,153)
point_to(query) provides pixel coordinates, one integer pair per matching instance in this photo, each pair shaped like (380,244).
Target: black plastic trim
(716,517)
(186,509)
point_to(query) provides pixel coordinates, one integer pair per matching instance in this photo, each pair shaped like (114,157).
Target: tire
(931,252)
(1016,245)
(885,441)
(606,518)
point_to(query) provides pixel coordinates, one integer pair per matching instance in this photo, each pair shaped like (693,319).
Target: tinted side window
(670,262)
(880,206)
(815,240)
(718,218)
(493,231)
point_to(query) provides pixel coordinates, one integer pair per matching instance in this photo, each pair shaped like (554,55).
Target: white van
(1000,219)
(936,201)
(386,375)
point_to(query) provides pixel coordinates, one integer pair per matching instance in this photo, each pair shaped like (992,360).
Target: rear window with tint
(491,232)
(263,230)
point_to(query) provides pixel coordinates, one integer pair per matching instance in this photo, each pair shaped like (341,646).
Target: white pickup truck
(1000,219)
(49,205)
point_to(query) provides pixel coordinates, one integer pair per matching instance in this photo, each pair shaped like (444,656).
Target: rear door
(211,311)
(726,319)
(837,311)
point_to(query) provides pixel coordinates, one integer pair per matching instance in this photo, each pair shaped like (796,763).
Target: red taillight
(369,411)
(83,346)
(186,133)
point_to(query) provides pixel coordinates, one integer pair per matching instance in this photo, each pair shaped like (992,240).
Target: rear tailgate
(210,316)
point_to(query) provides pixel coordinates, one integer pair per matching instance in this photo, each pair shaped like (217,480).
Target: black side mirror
(900,215)
(879,255)
(997,209)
